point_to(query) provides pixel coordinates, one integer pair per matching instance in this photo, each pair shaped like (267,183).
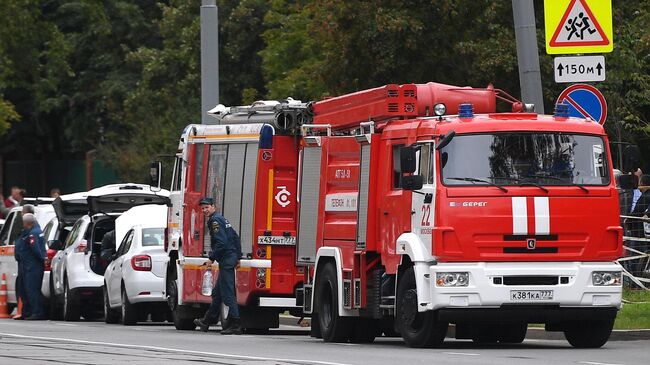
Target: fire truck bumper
(566,287)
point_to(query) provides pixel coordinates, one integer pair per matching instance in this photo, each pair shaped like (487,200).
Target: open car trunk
(121,202)
(70,207)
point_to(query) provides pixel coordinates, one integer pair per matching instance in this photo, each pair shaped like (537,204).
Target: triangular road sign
(578,27)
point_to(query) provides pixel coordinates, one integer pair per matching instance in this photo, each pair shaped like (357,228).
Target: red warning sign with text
(578,26)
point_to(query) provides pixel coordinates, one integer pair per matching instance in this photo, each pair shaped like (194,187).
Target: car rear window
(153,237)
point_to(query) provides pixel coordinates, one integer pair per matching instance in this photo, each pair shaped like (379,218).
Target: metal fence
(636,243)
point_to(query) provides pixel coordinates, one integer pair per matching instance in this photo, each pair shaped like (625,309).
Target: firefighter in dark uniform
(226,250)
(30,251)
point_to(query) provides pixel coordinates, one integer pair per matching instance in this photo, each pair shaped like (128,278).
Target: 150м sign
(579,69)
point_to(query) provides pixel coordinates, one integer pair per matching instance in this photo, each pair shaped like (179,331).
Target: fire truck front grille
(530,280)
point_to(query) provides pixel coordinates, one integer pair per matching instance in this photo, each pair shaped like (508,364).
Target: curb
(534,333)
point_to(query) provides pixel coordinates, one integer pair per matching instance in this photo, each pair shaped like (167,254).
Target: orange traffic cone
(19,310)
(3,297)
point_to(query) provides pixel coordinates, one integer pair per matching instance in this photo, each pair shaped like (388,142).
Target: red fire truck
(406,208)
(489,221)
(250,169)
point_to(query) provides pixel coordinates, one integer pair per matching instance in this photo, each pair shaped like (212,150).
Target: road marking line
(461,353)
(167,349)
(596,363)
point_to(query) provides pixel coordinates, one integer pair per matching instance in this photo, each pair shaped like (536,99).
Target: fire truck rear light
(452,279)
(141,263)
(606,278)
(266,137)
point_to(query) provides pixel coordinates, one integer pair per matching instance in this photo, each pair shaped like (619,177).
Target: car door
(8,263)
(60,260)
(116,271)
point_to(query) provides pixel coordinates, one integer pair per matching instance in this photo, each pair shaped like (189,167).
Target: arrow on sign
(560,68)
(599,67)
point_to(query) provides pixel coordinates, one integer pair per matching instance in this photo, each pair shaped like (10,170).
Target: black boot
(234,326)
(203,323)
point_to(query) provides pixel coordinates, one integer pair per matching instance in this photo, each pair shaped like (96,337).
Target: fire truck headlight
(452,279)
(606,278)
(439,109)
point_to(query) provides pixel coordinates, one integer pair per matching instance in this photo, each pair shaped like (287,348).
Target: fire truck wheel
(365,330)
(513,333)
(111,316)
(588,334)
(71,310)
(314,331)
(129,311)
(334,328)
(418,329)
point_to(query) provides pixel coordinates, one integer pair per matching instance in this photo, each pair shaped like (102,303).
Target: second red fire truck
(403,209)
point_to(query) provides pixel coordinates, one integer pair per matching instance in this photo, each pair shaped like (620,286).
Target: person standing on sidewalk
(226,250)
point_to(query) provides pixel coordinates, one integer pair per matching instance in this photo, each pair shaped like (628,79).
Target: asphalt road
(50,342)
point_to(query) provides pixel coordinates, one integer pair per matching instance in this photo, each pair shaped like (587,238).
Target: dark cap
(206,201)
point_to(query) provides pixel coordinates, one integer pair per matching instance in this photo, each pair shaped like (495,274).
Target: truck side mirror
(412,182)
(154,174)
(446,139)
(55,245)
(626,182)
(407,159)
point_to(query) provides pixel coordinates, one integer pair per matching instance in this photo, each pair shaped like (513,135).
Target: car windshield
(520,158)
(153,236)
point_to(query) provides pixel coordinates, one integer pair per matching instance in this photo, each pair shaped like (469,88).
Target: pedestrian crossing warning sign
(578,26)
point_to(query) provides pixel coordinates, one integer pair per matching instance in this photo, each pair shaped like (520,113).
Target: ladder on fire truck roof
(285,116)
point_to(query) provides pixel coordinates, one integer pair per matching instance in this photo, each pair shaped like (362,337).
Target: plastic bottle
(206,288)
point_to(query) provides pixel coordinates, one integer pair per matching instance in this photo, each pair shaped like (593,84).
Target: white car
(8,234)
(134,282)
(78,270)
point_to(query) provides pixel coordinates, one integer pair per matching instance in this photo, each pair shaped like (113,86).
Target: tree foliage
(123,76)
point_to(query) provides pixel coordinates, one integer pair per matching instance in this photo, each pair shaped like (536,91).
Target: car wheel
(418,329)
(129,312)
(71,312)
(589,334)
(111,316)
(334,328)
(56,311)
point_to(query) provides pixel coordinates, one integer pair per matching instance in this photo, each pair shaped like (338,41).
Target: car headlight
(452,279)
(606,278)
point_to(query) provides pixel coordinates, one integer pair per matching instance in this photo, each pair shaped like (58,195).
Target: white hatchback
(134,282)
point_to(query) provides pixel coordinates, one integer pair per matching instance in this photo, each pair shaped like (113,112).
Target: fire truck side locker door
(310,174)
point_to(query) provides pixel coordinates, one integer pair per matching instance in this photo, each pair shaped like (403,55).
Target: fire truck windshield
(520,158)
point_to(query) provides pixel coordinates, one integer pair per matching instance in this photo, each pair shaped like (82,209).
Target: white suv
(78,270)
